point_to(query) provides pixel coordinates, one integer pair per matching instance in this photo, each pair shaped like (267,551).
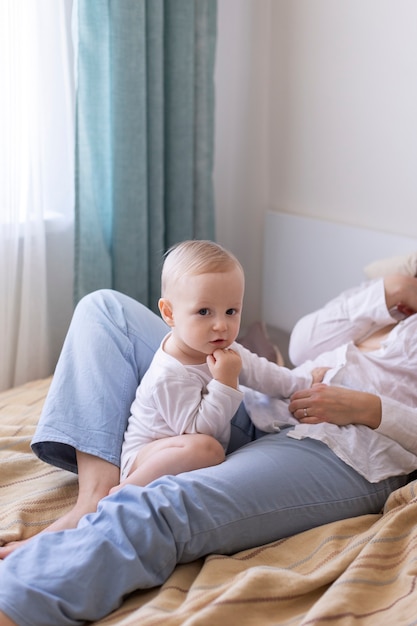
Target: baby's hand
(225,366)
(318,374)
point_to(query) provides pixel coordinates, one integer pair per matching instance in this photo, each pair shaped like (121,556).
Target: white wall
(60,208)
(60,277)
(344,85)
(242,119)
(317,116)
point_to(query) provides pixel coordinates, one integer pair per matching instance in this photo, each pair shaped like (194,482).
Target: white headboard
(309,261)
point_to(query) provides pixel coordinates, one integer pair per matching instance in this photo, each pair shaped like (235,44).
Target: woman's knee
(95,304)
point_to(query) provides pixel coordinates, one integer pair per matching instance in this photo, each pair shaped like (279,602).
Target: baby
(180,418)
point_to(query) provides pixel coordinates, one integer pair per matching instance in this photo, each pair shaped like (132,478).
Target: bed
(361,570)
(356,571)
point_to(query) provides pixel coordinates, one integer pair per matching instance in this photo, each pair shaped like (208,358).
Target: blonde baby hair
(193,257)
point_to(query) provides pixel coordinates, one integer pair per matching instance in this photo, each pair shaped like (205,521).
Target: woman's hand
(335,405)
(401,292)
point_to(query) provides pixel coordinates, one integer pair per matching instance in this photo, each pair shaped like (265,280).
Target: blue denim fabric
(110,343)
(271,488)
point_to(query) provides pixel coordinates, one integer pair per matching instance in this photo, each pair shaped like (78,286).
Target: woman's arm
(337,405)
(352,316)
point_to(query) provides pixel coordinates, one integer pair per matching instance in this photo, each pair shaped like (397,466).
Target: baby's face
(207,311)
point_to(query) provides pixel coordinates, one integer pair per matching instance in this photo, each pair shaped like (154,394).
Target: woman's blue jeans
(269,487)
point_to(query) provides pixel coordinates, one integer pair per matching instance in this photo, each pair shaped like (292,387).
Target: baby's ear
(165,309)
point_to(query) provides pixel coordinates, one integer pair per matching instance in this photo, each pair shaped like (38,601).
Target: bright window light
(36,109)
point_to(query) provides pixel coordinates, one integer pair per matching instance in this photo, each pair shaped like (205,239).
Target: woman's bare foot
(95,478)
(69,520)
(5,621)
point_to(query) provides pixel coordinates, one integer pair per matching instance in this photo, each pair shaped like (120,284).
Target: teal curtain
(144,139)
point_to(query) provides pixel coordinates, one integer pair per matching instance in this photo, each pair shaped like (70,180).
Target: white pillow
(406,265)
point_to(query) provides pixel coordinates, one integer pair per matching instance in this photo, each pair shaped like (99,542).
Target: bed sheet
(357,571)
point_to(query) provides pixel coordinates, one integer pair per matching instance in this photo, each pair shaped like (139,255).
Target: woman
(274,486)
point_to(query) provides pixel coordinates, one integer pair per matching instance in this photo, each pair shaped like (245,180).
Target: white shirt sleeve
(269,378)
(399,423)
(351,316)
(186,408)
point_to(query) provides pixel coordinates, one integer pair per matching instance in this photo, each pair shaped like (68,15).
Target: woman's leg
(5,621)
(95,479)
(269,489)
(109,345)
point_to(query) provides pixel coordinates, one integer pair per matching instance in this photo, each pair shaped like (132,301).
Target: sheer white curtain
(36,173)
